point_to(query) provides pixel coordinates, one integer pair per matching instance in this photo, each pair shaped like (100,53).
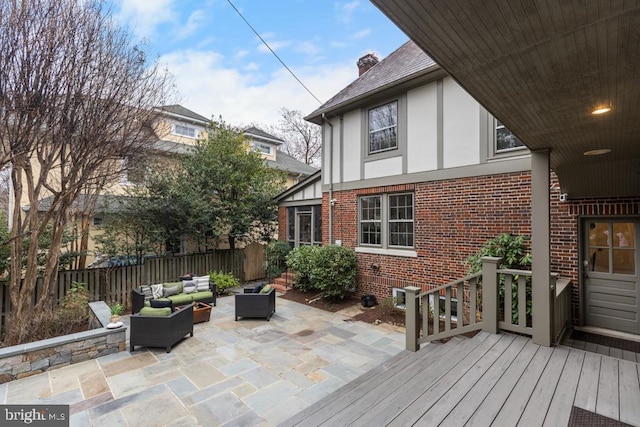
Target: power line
(272,51)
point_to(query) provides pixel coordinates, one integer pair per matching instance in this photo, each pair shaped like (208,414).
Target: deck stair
(284,282)
(490,379)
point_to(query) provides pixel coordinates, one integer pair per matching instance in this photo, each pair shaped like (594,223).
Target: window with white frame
(383,128)
(386,220)
(183,130)
(505,139)
(262,148)
(399,298)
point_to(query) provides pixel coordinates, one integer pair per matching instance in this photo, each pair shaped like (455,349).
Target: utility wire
(272,51)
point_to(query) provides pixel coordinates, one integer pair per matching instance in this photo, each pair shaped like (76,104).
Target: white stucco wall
(422,128)
(352,145)
(461,126)
(385,167)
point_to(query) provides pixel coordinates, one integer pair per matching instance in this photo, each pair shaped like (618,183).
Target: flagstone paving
(249,372)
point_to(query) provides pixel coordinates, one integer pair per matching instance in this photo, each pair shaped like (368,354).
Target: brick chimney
(366,62)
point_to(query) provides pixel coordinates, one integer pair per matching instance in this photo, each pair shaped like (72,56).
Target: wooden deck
(491,379)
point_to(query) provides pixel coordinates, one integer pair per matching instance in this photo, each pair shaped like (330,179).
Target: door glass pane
(305,228)
(624,261)
(599,234)
(599,259)
(623,235)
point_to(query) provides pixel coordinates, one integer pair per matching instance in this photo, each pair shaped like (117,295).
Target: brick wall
(282,223)
(453,219)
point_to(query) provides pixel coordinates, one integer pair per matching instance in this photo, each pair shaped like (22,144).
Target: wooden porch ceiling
(541,68)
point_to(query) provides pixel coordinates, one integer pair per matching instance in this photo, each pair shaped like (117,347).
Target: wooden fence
(114,284)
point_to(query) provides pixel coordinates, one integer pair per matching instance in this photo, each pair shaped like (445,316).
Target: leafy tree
(233,184)
(75,97)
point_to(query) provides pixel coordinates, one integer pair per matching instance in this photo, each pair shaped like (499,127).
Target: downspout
(325,120)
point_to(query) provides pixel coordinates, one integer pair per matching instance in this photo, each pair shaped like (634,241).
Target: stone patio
(250,372)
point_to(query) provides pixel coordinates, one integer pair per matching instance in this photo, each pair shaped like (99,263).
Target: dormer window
(183,130)
(262,148)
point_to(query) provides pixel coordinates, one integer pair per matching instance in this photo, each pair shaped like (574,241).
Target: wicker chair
(249,304)
(161,331)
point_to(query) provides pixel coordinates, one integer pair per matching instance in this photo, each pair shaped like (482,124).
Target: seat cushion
(200,295)
(149,311)
(181,299)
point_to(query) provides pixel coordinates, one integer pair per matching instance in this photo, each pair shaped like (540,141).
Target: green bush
(223,281)
(301,260)
(276,254)
(512,251)
(334,271)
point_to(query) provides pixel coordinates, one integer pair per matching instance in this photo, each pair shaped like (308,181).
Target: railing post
(412,306)
(490,294)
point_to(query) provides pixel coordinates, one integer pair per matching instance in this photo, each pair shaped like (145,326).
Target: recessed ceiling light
(597,152)
(601,110)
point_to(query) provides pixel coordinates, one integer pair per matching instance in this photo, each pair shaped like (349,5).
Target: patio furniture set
(163,314)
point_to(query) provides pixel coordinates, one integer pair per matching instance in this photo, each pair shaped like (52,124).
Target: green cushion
(148,311)
(172,284)
(180,299)
(197,296)
(266,289)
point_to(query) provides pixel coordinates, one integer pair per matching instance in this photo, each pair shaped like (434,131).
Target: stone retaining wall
(24,360)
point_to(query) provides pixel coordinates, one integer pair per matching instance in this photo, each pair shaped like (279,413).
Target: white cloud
(274,45)
(210,89)
(241,54)
(362,34)
(344,11)
(195,20)
(145,15)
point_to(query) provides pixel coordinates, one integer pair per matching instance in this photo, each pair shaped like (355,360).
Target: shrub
(223,281)
(73,311)
(334,271)
(301,260)
(276,253)
(512,251)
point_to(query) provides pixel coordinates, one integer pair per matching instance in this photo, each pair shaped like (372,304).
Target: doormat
(607,341)
(583,418)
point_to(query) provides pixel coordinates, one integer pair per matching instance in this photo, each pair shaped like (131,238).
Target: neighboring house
(268,145)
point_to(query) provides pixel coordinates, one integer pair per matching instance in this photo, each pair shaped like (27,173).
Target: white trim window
(383,128)
(262,148)
(387,220)
(399,298)
(183,130)
(505,139)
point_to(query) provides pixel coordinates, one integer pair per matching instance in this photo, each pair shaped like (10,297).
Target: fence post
(490,294)
(412,305)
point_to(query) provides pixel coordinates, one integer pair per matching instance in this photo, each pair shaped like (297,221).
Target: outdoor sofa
(256,302)
(160,327)
(205,291)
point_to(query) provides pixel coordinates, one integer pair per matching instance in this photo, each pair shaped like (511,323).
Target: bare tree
(75,97)
(302,139)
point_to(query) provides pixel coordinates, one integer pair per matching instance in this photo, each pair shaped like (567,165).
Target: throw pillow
(167,292)
(156,290)
(189,286)
(258,288)
(202,283)
(266,289)
(162,304)
(146,290)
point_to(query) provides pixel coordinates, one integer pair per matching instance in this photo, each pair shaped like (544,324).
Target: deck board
(557,414)
(500,379)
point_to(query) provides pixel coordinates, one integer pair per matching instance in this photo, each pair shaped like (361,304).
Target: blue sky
(222,68)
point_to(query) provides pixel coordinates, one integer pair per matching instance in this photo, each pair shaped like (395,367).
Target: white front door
(611,263)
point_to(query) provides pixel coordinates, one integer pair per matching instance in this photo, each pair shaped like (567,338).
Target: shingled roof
(179,110)
(257,133)
(406,63)
(285,162)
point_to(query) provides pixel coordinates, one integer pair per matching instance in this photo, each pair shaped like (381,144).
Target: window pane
(599,260)
(505,139)
(317,224)
(291,224)
(623,235)
(599,234)
(370,233)
(401,220)
(383,127)
(624,261)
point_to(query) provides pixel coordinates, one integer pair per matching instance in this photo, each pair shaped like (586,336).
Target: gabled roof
(407,62)
(300,185)
(181,112)
(104,203)
(285,162)
(259,134)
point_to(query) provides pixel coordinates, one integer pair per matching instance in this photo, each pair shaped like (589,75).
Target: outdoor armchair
(155,328)
(250,304)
